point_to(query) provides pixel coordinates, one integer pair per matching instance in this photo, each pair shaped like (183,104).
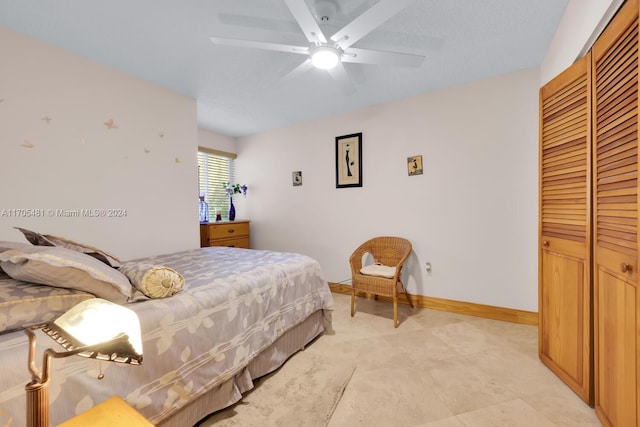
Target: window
(214,169)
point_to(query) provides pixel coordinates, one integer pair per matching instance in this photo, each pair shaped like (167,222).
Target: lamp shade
(96,321)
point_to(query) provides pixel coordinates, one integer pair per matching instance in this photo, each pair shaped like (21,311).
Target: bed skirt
(267,361)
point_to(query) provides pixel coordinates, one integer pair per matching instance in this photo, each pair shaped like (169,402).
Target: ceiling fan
(330,53)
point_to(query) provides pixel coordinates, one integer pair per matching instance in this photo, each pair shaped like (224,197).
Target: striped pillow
(38,239)
(65,268)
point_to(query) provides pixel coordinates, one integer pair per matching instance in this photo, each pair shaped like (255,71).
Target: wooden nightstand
(113,412)
(225,233)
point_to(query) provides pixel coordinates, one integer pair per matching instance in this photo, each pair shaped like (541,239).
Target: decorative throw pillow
(65,268)
(50,240)
(153,280)
(378,270)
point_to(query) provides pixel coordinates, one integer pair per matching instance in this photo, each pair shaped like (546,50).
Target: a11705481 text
(62,213)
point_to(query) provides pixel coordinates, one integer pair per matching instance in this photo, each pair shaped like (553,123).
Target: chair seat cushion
(378,270)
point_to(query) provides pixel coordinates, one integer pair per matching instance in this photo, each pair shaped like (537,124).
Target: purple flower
(235,188)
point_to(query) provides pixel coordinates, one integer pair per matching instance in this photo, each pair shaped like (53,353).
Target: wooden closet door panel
(563,296)
(615,158)
(565,327)
(616,367)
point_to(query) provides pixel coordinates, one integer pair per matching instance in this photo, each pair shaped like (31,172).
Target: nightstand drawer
(228,230)
(242,242)
(232,233)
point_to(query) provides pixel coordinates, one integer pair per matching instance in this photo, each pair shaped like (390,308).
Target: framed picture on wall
(349,160)
(414,165)
(296,178)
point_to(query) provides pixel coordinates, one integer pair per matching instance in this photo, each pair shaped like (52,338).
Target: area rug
(304,391)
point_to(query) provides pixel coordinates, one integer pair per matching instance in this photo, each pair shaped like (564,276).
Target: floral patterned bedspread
(236,302)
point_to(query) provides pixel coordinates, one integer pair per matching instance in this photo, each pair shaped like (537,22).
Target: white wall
(582,22)
(472,214)
(147,166)
(216,141)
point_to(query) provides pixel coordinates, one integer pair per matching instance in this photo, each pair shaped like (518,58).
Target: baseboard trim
(469,308)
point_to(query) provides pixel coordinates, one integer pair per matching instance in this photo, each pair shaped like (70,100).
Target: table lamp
(95,328)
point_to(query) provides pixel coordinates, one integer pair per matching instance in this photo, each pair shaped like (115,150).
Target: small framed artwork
(414,165)
(296,178)
(349,160)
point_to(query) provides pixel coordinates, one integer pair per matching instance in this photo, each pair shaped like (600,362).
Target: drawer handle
(626,268)
(231,230)
(545,243)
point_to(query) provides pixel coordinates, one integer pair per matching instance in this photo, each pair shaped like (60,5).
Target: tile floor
(442,369)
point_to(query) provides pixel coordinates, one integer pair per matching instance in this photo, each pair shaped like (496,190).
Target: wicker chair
(390,252)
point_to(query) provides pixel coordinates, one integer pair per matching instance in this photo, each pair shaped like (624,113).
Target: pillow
(24,304)
(378,270)
(34,238)
(5,245)
(64,268)
(152,280)
(49,240)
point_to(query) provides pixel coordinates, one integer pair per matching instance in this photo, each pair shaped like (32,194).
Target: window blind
(213,171)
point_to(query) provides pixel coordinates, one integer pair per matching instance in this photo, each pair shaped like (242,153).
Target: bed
(240,315)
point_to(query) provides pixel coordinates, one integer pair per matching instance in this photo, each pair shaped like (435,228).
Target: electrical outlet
(427,267)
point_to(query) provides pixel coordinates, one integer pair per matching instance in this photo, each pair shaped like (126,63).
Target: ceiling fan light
(325,57)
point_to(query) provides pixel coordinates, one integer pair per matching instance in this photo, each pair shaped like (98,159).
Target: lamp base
(37,404)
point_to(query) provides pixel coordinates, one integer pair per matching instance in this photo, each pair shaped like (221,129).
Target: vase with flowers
(232,189)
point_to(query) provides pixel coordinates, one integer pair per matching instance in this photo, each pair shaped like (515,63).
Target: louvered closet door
(564,254)
(615,148)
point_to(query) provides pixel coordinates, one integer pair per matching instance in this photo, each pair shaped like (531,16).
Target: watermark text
(62,213)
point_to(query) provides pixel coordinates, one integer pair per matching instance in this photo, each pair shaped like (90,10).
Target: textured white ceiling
(239,91)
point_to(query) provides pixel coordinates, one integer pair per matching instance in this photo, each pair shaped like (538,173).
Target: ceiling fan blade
(368,21)
(305,19)
(260,45)
(340,75)
(299,70)
(366,56)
